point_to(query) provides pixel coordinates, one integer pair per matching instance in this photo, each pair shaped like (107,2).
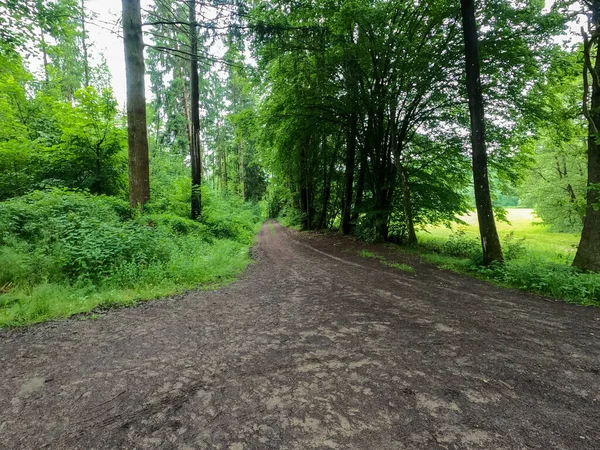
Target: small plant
(460,245)
(367,254)
(402,267)
(513,247)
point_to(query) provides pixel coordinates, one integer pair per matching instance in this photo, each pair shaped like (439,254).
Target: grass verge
(398,266)
(65,253)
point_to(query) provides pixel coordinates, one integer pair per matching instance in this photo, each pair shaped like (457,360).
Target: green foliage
(555,184)
(51,142)
(398,266)
(559,281)
(525,267)
(513,247)
(461,245)
(63,252)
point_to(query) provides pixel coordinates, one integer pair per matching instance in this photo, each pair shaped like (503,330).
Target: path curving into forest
(313,348)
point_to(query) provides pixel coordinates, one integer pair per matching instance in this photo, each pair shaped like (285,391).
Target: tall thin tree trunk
(349,176)
(360,184)
(588,252)
(137,134)
(86,64)
(242,168)
(490,242)
(327,179)
(407,206)
(195,114)
(304,185)
(186,109)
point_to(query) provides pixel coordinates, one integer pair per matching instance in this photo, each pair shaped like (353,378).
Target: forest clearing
(537,238)
(277,224)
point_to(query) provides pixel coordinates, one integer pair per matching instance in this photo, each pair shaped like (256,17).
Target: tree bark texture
(588,252)
(490,242)
(139,171)
(349,176)
(195,155)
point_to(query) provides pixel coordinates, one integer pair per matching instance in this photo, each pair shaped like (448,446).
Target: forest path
(314,347)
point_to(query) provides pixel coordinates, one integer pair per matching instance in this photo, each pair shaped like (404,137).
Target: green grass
(536,260)
(402,267)
(64,253)
(204,266)
(538,240)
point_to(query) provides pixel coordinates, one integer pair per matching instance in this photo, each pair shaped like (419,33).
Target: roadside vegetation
(537,259)
(64,252)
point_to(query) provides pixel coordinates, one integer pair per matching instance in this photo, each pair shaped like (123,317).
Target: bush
(461,246)
(555,280)
(512,247)
(63,252)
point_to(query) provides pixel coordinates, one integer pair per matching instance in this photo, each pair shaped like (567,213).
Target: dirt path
(314,347)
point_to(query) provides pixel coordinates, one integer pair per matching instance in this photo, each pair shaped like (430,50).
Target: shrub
(461,246)
(556,280)
(512,247)
(64,252)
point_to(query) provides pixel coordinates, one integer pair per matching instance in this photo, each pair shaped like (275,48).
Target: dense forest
(377,119)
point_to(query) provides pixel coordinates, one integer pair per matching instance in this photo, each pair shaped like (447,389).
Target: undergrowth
(522,269)
(65,252)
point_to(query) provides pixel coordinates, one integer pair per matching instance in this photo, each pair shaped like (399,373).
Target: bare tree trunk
(360,184)
(86,65)
(242,169)
(327,180)
(195,113)
(588,252)
(139,171)
(186,109)
(407,206)
(349,176)
(304,185)
(490,242)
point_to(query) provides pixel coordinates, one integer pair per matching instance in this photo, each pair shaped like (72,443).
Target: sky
(104,38)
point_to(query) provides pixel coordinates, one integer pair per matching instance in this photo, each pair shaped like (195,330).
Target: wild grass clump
(398,266)
(65,252)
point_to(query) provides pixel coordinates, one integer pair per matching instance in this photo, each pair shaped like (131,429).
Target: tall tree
(139,170)
(588,253)
(195,113)
(84,47)
(490,242)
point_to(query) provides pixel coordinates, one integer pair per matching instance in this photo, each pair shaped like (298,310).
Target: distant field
(558,247)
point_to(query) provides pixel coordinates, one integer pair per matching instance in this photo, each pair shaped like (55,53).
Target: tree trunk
(86,64)
(139,171)
(242,169)
(349,176)
(588,253)
(407,206)
(490,242)
(186,109)
(304,185)
(327,179)
(41,23)
(195,114)
(360,184)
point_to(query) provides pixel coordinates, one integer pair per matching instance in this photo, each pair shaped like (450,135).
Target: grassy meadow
(536,259)
(522,226)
